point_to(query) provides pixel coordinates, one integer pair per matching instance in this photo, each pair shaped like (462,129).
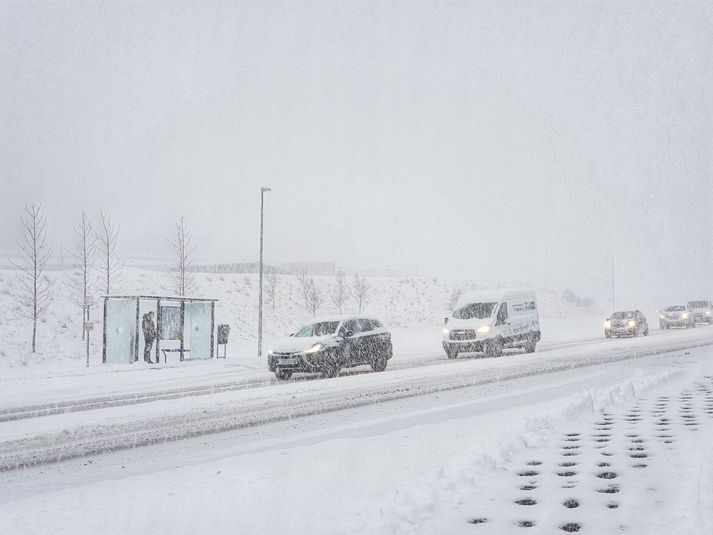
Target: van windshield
(474,310)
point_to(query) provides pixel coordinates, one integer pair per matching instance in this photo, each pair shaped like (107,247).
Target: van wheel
(283,375)
(646,331)
(379,364)
(452,353)
(530,344)
(493,347)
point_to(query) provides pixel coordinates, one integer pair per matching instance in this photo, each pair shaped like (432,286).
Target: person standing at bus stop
(147,325)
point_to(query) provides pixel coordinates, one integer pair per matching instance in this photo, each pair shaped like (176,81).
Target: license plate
(288,361)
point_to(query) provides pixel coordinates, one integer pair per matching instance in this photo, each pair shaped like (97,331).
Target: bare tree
(340,292)
(361,290)
(303,282)
(454,298)
(271,287)
(83,261)
(182,249)
(315,299)
(34,284)
(107,241)
(311,295)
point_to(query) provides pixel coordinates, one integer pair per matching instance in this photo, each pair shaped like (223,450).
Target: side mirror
(349,334)
(445,320)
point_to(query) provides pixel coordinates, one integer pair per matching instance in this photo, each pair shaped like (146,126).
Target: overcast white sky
(490,140)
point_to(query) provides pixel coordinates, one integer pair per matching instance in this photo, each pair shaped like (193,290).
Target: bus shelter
(184,327)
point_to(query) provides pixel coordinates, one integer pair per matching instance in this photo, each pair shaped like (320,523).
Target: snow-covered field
(435,462)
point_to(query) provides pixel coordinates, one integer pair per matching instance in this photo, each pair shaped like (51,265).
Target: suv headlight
(684,316)
(708,312)
(445,331)
(607,324)
(485,329)
(631,323)
(314,349)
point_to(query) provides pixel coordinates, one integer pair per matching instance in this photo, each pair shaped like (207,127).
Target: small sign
(88,326)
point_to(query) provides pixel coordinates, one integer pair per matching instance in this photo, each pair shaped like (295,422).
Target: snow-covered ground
(453,459)
(586,434)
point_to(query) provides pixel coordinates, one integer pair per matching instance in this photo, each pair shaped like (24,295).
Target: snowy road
(431,463)
(140,419)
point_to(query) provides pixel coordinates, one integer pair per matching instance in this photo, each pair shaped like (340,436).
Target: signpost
(88,327)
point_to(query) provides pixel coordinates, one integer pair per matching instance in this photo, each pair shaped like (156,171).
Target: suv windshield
(318,329)
(698,304)
(676,308)
(622,315)
(474,310)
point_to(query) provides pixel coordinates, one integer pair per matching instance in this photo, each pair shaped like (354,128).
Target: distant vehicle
(329,344)
(702,311)
(626,323)
(488,321)
(676,316)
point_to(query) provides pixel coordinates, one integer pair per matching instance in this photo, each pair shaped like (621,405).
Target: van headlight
(631,323)
(485,329)
(314,349)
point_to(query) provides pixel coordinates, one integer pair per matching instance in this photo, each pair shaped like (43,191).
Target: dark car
(676,316)
(626,323)
(329,344)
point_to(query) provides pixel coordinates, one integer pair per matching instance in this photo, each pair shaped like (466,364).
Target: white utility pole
(259,319)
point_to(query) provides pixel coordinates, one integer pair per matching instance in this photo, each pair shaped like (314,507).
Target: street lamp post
(259,319)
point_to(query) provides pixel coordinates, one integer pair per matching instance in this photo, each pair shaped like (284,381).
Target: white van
(487,321)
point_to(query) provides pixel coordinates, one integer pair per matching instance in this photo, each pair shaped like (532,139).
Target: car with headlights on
(676,316)
(626,323)
(327,345)
(702,311)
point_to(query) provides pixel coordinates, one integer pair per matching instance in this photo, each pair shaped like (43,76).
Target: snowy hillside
(416,305)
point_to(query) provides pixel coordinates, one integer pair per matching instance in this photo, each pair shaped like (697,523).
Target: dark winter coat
(147,325)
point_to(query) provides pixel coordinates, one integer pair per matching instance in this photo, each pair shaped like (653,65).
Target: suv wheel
(452,353)
(493,347)
(530,344)
(379,364)
(283,375)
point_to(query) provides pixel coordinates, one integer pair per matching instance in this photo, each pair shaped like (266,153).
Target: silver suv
(676,316)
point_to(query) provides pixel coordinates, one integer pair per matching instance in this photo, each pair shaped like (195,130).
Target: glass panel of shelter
(121,331)
(197,330)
